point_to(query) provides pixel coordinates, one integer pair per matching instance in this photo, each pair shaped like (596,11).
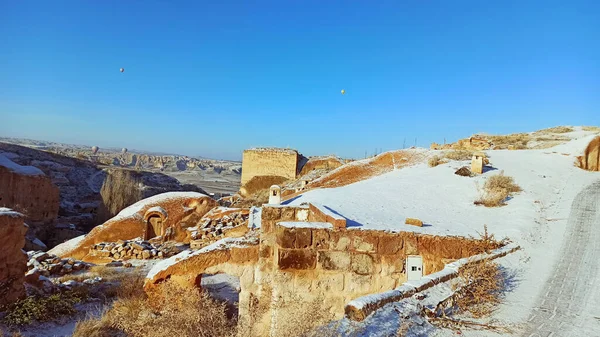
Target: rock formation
(13,261)
(166,215)
(28,190)
(591,157)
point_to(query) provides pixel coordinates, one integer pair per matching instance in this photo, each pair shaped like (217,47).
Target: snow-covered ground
(535,218)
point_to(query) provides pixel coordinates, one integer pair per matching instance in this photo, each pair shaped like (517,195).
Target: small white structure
(274,195)
(414,267)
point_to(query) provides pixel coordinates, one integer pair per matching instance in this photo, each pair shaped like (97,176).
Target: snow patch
(66,246)
(302,224)
(16,168)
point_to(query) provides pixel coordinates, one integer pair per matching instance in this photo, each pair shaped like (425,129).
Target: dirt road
(569,303)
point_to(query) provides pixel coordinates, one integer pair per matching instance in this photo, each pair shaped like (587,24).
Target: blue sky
(213,79)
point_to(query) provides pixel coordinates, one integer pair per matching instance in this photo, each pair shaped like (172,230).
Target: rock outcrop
(27,190)
(591,157)
(123,187)
(13,261)
(166,215)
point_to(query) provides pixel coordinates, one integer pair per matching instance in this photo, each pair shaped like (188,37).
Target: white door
(414,267)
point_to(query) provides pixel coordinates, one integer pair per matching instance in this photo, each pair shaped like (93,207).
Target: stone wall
(269,162)
(13,260)
(307,252)
(34,195)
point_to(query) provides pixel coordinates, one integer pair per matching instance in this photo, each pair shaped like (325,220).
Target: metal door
(414,267)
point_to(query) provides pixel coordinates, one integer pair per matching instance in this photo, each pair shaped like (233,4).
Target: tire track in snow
(569,303)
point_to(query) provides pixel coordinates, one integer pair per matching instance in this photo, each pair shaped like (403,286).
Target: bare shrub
(486,242)
(492,198)
(459,155)
(496,190)
(557,129)
(297,316)
(42,308)
(591,128)
(435,161)
(500,181)
(516,141)
(185,312)
(481,289)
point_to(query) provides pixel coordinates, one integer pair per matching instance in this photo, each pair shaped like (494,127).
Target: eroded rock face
(29,191)
(166,215)
(591,158)
(13,261)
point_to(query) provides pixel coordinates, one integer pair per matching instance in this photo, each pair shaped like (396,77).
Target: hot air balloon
(124,150)
(122,69)
(94,149)
(343,92)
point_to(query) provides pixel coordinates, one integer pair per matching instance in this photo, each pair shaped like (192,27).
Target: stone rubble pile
(135,249)
(211,229)
(52,265)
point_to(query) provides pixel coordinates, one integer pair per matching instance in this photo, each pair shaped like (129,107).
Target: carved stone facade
(304,251)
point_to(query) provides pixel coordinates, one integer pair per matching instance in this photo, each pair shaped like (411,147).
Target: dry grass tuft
(107,273)
(591,128)
(435,161)
(500,181)
(187,312)
(516,141)
(367,168)
(299,317)
(496,190)
(459,155)
(557,129)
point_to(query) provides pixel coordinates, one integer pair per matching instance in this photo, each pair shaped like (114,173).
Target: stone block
(297,259)
(414,222)
(320,238)
(288,214)
(411,245)
(392,264)
(365,242)
(362,264)
(340,240)
(285,237)
(303,237)
(302,283)
(358,284)
(271,213)
(332,260)
(265,251)
(390,244)
(244,255)
(329,282)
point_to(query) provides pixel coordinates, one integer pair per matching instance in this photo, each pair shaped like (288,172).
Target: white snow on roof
(132,211)
(222,244)
(444,201)
(302,224)
(16,168)
(157,209)
(9,212)
(66,246)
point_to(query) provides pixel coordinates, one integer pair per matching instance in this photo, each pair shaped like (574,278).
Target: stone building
(307,251)
(13,261)
(285,163)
